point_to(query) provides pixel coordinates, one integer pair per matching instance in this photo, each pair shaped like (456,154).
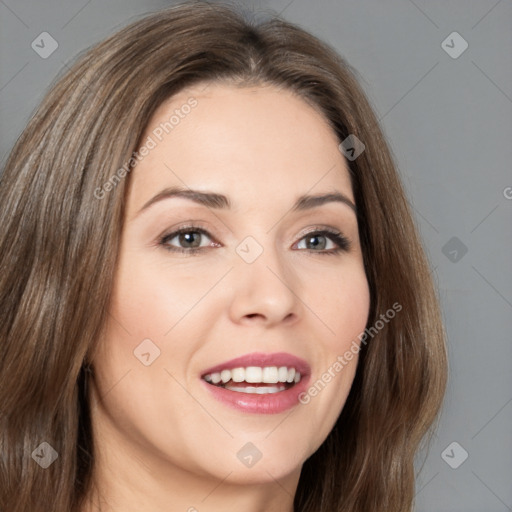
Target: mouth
(255,379)
(258,383)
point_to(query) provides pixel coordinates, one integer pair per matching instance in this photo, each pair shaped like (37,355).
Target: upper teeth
(254,374)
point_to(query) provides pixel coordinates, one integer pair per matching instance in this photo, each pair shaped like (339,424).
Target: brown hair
(59,245)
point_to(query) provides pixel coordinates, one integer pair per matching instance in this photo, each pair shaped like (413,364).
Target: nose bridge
(259,251)
(263,284)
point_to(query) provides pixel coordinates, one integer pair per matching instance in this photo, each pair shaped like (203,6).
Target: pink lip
(261,404)
(258,359)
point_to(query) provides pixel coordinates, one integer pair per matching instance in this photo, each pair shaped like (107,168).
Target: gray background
(449,124)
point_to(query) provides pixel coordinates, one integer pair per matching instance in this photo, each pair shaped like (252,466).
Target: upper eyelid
(205,231)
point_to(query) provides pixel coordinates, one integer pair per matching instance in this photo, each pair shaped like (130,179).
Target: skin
(162,442)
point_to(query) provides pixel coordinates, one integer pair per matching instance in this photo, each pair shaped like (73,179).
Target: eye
(190,237)
(313,241)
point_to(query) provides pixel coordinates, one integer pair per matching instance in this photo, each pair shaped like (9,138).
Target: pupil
(187,237)
(317,244)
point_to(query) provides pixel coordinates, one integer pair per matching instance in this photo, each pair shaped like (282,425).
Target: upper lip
(259,359)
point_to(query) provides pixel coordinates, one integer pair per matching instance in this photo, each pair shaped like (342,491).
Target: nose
(265,291)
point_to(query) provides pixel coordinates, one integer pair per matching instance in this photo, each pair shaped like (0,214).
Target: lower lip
(270,403)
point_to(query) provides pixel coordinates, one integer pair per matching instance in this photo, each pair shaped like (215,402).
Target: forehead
(246,142)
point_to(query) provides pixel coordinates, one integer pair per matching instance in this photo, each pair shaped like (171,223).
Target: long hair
(59,244)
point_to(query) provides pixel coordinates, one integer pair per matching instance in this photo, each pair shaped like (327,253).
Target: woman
(295,363)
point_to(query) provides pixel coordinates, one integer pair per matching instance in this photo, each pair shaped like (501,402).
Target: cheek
(343,307)
(156,310)
(343,304)
(151,299)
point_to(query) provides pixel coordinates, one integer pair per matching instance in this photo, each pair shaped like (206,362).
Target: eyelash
(338,238)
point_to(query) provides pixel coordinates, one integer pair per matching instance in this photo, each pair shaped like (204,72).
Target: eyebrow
(222,202)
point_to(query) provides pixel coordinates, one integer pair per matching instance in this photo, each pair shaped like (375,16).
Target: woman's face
(253,280)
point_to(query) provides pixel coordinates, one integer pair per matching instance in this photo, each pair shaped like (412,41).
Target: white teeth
(270,374)
(257,391)
(238,374)
(256,375)
(253,374)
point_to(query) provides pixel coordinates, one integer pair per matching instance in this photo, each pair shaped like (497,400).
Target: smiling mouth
(254,379)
